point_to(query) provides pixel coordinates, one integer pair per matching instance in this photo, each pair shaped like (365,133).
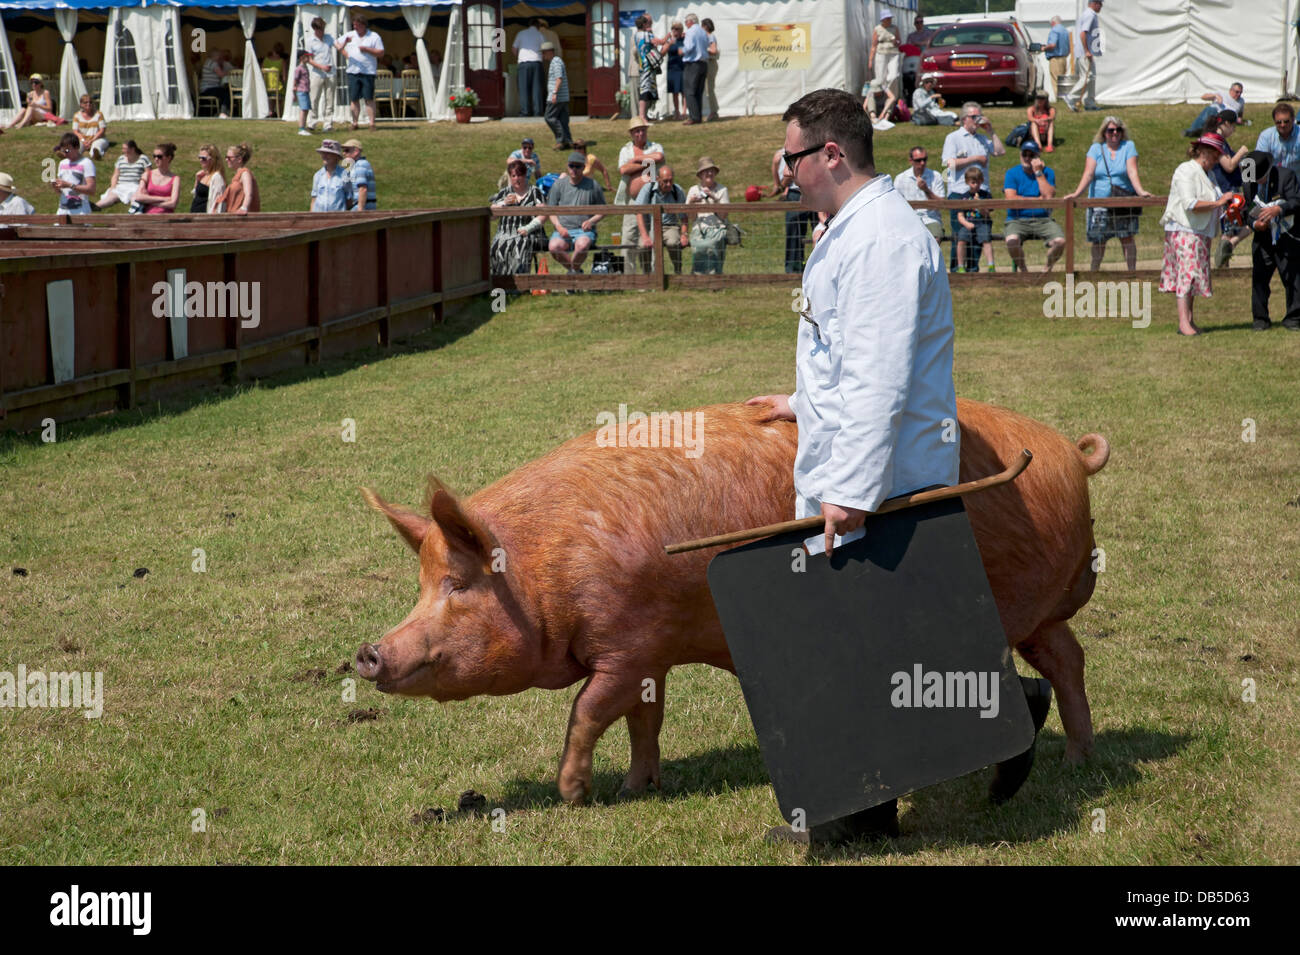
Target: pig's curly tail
(1094,462)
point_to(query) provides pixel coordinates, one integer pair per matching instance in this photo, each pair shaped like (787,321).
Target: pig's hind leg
(643,724)
(604,698)
(1054,652)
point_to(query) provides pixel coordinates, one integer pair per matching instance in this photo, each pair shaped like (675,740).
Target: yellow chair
(384,92)
(201,100)
(274,88)
(412,93)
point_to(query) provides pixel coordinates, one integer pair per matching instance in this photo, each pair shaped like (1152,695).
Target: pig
(557,572)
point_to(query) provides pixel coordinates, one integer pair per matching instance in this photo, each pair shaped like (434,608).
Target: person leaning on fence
(927,109)
(91,128)
(1031,179)
(1110,171)
(75,177)
(971,144)
(362,195)
(12,204)
(797,222)
(574,234)
(636,169)
(974,225)
(1234,100)
(208,182)
(663,191)
(320,60)
(920,183)
(1282,140)
(1190,220)
(242,195)
(708,235)
(557,96)
(1272,200)
(518,237)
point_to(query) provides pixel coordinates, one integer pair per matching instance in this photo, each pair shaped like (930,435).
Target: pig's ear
(412,527)
(462,530)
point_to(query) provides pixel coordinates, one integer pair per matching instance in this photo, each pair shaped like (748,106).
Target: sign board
(877,672)
(774,46)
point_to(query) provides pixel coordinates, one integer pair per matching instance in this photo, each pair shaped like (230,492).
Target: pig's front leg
(643,724)
(602,700)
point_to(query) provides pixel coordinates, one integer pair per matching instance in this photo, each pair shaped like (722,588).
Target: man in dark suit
(1277,245)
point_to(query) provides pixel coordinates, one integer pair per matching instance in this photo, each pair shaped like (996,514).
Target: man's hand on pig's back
(778,406)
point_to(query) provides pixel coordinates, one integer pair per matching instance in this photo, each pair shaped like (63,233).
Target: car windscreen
(981,36)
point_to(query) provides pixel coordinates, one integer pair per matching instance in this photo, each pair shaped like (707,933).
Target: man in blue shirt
(1057,50)
(1282,142)
(330,186)
(361,178)
(1031,179)
(695,67)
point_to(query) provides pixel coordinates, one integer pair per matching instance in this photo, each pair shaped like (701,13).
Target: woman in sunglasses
(1110,171)
(208,182)
(160,187)
(40,107)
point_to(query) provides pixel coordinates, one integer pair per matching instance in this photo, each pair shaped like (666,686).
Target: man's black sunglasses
(791,158)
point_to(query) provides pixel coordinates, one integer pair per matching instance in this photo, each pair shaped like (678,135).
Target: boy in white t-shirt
(76,177)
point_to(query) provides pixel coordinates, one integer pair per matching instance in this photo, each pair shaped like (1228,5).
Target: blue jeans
(796,228)
(529,78)
(1207,114)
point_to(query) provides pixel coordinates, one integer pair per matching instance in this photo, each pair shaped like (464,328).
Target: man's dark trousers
(796,228)
(693,77)
(530,89)
(1283,257)
(557,117)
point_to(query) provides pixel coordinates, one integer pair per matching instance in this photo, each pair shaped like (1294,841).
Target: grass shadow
(464,322)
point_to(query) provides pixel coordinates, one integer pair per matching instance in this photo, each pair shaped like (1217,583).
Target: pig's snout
(369,662)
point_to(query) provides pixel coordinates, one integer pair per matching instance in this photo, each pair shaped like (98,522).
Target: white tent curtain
(10,96)
(417,18)
(130,86)
(453,70)
(71,85)
(256,104)
(171,74)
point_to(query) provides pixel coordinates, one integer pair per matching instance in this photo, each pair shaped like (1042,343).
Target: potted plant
(624,100)
(463,103)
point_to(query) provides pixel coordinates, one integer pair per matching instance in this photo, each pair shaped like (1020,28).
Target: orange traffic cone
(541,270)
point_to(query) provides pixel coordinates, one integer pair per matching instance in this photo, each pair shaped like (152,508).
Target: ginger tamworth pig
(557,572)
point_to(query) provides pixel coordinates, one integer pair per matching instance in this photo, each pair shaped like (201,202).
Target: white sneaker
(329,127)
(303,132)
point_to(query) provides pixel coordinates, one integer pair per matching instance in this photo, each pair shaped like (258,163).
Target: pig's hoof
(1076,755)
(574,791)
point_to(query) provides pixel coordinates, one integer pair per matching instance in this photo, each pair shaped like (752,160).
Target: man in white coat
(874,397)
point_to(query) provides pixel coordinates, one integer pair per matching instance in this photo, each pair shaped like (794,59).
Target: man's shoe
(1291,326)
(1261,325)
(1011,774)
(1070,103)
(1092,109)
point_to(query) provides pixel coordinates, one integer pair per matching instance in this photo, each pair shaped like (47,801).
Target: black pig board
(815,652)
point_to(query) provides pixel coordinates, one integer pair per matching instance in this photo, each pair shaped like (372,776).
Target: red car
(982,59)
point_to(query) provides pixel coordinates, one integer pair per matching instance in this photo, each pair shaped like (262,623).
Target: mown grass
(212,700)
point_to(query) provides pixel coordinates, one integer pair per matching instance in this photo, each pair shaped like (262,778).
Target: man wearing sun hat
(12,204)
(361,178)
(636,169)
(330,186)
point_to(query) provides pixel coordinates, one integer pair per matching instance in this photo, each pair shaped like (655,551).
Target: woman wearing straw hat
(12,204)
(709,231)
(1189,222)
(330,185)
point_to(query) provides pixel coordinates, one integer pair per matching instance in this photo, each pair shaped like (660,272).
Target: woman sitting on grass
(127,173)
(160,188)
(1042,123)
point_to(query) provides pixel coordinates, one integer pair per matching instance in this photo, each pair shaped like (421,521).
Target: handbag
(1119,191)
(734,234)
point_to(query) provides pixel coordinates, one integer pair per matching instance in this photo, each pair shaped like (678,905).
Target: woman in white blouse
(709,229)
(1189,222)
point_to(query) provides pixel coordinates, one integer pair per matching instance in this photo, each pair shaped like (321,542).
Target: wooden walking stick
(816,522)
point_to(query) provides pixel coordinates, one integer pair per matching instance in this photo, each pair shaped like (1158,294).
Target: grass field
(221,690)
(419,165)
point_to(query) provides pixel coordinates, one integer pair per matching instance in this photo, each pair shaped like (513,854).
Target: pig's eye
(451,585)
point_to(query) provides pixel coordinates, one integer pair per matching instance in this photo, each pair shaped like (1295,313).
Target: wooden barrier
(93,296)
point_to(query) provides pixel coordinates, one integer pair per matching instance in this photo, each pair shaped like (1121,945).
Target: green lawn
(221,690)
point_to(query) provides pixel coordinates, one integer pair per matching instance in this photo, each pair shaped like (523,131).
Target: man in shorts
(574,234)
(1031,179)
(361,47)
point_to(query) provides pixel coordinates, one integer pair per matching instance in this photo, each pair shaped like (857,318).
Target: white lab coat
(874,397)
